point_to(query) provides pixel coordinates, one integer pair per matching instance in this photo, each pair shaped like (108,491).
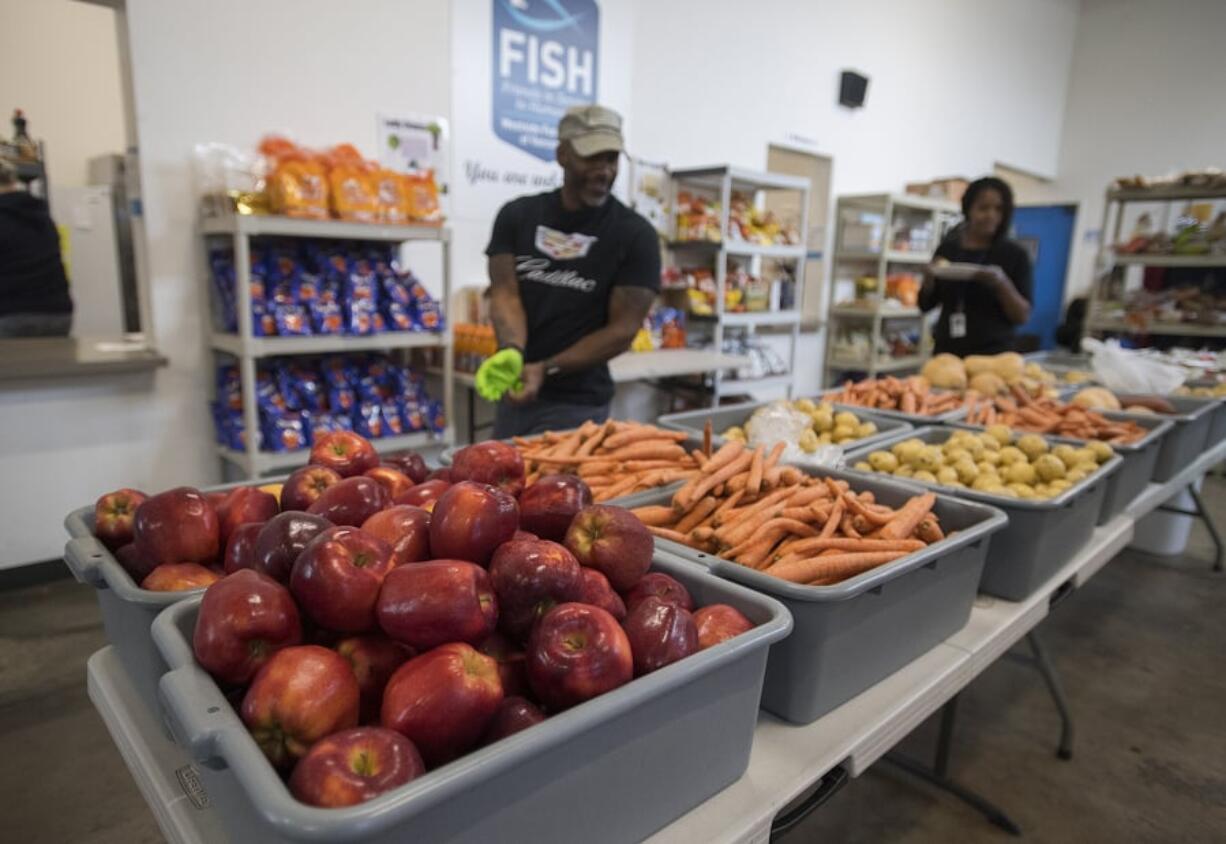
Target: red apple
(406,529)
(351,502)
(443,473)
(302,693)
(470,520)
(424,494)
(613,541)
(347,453)
(409,462)
(660,633)
(513,714)
(549,506)
(719,622)
(374,660)
(337,577)
(576,653)
(523,534)
(243,620)
(353,766)
(305,485)
(240,548)
(429,604)
(246,504)
(530,577)
(179,577)
(656,584)
(597,592)
(115,514)
(512,665)
(177,526)
(282,539)
(491,462)
(392,479)
(133,563)
(217,497)
(443,700)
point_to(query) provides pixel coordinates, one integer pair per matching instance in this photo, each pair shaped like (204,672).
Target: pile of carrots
(614,458)
(1024,412)
(908,395)
(776,519)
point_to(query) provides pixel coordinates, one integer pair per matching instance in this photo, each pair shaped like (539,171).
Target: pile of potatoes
(988,375)
(994,460)
(830,426)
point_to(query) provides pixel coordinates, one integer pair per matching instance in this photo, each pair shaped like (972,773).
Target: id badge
(957,325)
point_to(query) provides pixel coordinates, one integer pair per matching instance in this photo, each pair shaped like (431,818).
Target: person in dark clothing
(573,273)
(979,314)
(34,300)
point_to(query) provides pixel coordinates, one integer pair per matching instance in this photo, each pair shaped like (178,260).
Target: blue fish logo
(518,10)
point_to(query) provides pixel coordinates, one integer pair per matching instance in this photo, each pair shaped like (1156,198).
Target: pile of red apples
(376,620)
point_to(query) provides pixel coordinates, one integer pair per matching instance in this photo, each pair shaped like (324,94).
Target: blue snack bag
(268,397)
(393,422)
(286,432)
(411,413)
(327,317)
(229,388)
(310,388)
(368,420)
(438,419)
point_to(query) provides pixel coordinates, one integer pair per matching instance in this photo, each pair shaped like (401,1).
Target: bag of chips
(421,193)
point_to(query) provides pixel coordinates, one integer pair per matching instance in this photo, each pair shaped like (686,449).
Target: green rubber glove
(500,373)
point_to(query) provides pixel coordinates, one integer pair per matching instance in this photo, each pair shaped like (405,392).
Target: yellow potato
(1043,491)
(1065,452)
(823,420)
(808,442)
(883,461)
(1011,454)
(967,471)
(1049,467)
(988,456)
(957,454)
(947,475)
(804,405)
(907,447)
(826,407)
(1032,445)
(904,471)
(1103,451)
(1003,434)
(862,466)
(1085,455)
(842,433)
(824,438)
(925,475)
(866,429)
(985,483)
(1060,486)
(1075,475)
(929,458)
(975,447)
(1024,491)
(846,417)
(989,442)
(1020,473)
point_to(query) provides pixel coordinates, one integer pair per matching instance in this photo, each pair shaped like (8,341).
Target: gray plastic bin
(1041,536)
(913,418)
(615,768)
(723,418)
(1186,439)
(850,636)
(1137,462)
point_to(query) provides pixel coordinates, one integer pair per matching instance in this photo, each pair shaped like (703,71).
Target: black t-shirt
(988,329)
(32,279)
(568,262)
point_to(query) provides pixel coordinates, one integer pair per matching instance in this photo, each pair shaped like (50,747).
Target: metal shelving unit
(878,260)
(1105,314)
(722,181)
(247,349)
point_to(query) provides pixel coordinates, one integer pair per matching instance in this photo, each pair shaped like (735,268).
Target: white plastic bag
(780,422)
(1124,371)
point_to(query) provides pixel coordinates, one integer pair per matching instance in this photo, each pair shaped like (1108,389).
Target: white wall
(60,64)
(1147,96)
(955,86)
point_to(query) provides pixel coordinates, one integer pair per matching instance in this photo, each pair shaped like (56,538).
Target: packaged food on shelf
(747,222)
(304,287)
(697,217)
(299,400)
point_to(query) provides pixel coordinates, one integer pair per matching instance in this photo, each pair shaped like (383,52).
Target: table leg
(1048,671)
(1209,524)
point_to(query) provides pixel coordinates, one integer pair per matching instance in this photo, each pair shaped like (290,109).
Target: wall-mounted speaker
(852,88)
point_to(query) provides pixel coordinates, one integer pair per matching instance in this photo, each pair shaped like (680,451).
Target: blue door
(1046,232)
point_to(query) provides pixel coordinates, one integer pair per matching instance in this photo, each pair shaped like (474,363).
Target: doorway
(815,168)
(1046,232)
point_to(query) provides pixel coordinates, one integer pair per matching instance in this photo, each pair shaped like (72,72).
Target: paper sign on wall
(545,61)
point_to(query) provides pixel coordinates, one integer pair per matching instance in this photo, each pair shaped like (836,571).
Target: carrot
(908,517)
(707,431)
(929,530)
(848,526)
(621,487)
(698,512)
(870,515)
(625,438)
(656,515)
(665,533)
(843,543)
(594,440)
(754,484)
(737,464)
(835,519)
(842,565)
(699,458)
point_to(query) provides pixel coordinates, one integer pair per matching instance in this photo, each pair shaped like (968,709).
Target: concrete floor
(1141,650)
